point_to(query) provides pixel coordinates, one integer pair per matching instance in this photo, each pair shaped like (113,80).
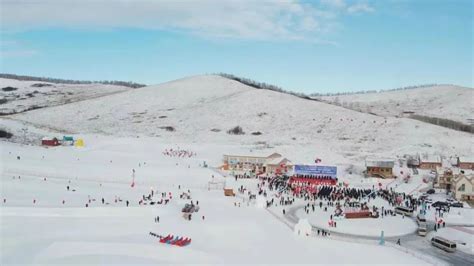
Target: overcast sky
(307,46)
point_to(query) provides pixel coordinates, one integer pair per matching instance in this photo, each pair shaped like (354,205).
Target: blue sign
(316,170)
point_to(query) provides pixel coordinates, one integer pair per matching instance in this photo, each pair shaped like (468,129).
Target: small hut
(466,162)
(68,140)
(46,141)
(79,143)
(380,168)
(430,161)
(229,192)
(303,228)
(260,202)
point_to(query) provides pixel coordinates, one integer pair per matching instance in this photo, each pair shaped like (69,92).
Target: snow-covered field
(443,101)
(50,232)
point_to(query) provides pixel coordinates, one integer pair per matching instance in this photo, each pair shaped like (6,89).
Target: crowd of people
(179,153)
(279,191)
(310,181)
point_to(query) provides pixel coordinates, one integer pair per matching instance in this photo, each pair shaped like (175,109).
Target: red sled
(164,239)
(181,242)
(185,242)
(176,241)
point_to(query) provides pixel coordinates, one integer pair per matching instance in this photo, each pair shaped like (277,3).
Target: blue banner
(316,170)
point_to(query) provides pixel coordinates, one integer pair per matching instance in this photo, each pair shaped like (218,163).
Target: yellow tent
(79,143)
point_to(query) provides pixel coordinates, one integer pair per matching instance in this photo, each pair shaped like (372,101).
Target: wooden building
(430,162)
(244,163)
(466,163)
(379,168)
(272,164)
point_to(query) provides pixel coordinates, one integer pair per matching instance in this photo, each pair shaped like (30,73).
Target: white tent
(261,202)
(303,228)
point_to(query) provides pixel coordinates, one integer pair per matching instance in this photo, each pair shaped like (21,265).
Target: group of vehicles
(436,241)
(422,228)
(447,204)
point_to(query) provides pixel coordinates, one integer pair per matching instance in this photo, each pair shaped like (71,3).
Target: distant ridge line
(70,81)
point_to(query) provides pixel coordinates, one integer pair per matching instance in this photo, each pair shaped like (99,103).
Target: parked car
(457,205)
(431,191)
(440,204)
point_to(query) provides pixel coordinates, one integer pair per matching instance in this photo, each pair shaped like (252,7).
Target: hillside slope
(202,109)
(443,101)
(17,96)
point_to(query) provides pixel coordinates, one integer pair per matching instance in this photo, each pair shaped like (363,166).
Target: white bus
(420,219)
(443,244)
(404,211)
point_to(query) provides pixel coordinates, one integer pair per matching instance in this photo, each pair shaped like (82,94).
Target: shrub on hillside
(68,81)
(9,89)
(4,134)
(40,85)
(236,131)
(443,122)
(257,133)
(168,128)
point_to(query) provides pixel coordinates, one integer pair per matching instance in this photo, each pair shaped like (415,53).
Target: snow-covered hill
(204,108)
(443,101)
(18,96)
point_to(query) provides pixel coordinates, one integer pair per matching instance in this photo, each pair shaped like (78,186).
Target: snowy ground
(49,231)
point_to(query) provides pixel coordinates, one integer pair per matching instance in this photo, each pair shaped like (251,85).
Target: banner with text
(316,170)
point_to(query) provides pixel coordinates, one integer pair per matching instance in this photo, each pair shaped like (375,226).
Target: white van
(404,211)
(422,230)
(443,244)
(420,219)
